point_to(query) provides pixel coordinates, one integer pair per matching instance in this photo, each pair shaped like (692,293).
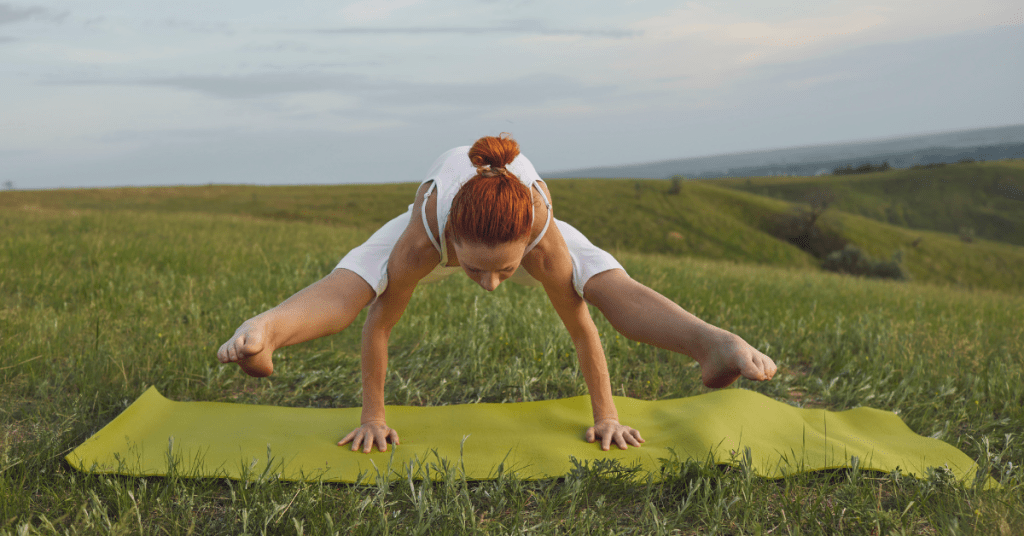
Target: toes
(760,367)
(768,367)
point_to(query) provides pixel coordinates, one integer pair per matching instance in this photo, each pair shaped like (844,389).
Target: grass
(96,305)
(985,197)
(707,219)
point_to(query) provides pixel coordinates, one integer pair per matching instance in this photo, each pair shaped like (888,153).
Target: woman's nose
(490,282)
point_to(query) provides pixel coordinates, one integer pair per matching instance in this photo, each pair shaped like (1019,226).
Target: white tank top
(453,169)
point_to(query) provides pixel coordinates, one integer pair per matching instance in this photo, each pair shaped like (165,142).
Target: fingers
(622,436)
(366,436)
(381,437)
(626,437)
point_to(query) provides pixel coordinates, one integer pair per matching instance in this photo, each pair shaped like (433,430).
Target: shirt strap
(546,224)
(426,224)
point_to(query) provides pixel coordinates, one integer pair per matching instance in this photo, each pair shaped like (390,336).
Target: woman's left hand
(610,430)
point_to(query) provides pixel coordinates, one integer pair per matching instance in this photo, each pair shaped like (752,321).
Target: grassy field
(706,219)
(101,298)
(985,197)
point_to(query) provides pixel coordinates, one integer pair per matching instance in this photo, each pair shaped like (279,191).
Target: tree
(818,200)
(8,185)
(676,186)
(800,226)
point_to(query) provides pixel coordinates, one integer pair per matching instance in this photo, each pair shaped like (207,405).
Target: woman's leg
(646,316)
(326,307)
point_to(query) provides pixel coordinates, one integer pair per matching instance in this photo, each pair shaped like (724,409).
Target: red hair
(493,207)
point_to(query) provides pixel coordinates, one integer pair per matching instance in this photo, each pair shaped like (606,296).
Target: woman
(485,211)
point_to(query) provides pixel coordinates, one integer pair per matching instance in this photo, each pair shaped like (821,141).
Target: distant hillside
(704,219)
(981,144)
(982,199)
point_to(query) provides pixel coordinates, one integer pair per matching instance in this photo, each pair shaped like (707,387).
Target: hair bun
(493,207)
(494,151)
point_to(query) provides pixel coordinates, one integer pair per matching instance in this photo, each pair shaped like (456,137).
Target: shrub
(854,261)
(863,168)
(800,226)
(676,186)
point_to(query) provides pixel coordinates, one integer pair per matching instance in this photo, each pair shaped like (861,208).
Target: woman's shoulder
(544,186)
(414,255)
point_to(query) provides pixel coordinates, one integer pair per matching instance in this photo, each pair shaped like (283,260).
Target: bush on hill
(800,226)
(863,168)
(852,260)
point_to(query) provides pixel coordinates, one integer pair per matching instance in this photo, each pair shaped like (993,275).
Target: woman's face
(489,265)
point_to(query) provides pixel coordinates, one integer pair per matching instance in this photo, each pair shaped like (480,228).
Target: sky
(100,93)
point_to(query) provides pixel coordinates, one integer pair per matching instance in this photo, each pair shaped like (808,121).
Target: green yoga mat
(531,439)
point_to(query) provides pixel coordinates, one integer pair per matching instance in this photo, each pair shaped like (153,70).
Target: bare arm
(550,264)
(382,317)
(412,259)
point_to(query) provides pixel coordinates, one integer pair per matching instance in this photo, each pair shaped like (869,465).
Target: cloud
(261,84)
(213,27)
(382,95)
(526,90)
(367,10)
(10,14)
(520,27)
(712,42)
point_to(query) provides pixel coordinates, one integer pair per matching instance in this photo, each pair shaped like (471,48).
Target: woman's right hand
(373,432)
(249,347)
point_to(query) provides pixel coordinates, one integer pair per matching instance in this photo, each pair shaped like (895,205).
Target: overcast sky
(108,93)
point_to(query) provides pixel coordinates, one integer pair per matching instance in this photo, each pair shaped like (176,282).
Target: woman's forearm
(595,372)
(374,367)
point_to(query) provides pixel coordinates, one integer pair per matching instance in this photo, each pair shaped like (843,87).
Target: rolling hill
(728,220)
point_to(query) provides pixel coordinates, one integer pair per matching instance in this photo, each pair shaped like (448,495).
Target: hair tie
(488,170)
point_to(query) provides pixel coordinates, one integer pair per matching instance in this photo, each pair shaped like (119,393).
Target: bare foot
(248,348)
(259,366)
(730,357)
